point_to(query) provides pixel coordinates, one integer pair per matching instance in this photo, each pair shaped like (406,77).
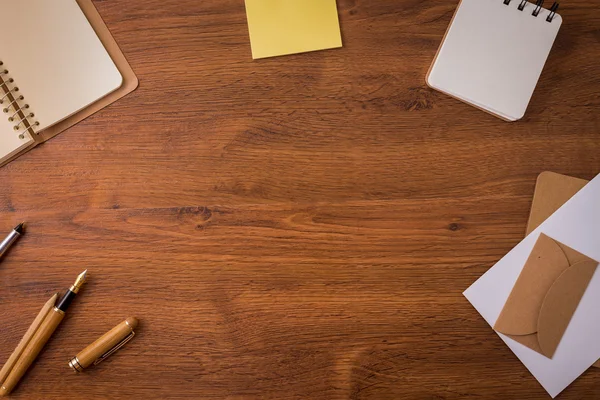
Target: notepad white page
(577,225)
(55,58)
(493,55)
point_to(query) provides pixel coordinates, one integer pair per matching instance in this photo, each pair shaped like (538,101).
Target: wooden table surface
(295,227)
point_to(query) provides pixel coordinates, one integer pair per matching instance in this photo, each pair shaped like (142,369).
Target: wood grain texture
(299,227)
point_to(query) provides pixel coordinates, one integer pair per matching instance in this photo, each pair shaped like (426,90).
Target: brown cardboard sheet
(552,191)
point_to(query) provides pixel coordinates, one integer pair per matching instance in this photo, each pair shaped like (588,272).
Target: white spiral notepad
(493,54)
(55,66)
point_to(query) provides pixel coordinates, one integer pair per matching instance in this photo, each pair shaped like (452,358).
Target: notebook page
(493,55)
(55,58)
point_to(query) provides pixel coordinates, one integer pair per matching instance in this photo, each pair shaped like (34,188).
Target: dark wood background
(295,227)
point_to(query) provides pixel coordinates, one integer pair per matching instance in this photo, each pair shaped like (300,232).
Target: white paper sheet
(577,225)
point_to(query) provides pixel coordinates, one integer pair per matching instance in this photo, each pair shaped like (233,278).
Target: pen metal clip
(114,349)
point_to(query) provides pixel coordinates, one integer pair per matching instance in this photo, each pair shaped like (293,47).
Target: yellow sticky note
(279,27)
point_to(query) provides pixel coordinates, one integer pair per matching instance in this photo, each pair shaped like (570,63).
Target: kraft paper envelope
(575,225)
(552,191)
(547,293)
(280,27)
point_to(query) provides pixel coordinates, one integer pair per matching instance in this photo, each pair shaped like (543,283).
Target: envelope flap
(573,255)
(521,311)
(560,304)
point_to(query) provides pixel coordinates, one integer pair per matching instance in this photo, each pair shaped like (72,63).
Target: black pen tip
(19,228)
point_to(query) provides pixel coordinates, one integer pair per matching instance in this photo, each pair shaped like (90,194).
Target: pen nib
(79,281)
(19,228)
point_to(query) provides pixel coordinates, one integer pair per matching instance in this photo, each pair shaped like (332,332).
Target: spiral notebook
(62,67)
(493,54)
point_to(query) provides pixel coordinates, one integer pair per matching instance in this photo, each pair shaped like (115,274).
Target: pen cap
(105,345)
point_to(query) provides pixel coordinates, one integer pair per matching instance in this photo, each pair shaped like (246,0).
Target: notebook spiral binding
(12,102)
(537,9)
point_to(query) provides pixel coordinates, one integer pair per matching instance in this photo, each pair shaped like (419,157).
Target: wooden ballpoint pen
(16,354)
(41,336)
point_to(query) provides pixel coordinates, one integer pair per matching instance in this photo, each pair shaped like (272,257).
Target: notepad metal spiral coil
(537,9)
(13,103)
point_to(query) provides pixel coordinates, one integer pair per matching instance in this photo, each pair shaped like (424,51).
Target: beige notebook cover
(117,80)
(552,191)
